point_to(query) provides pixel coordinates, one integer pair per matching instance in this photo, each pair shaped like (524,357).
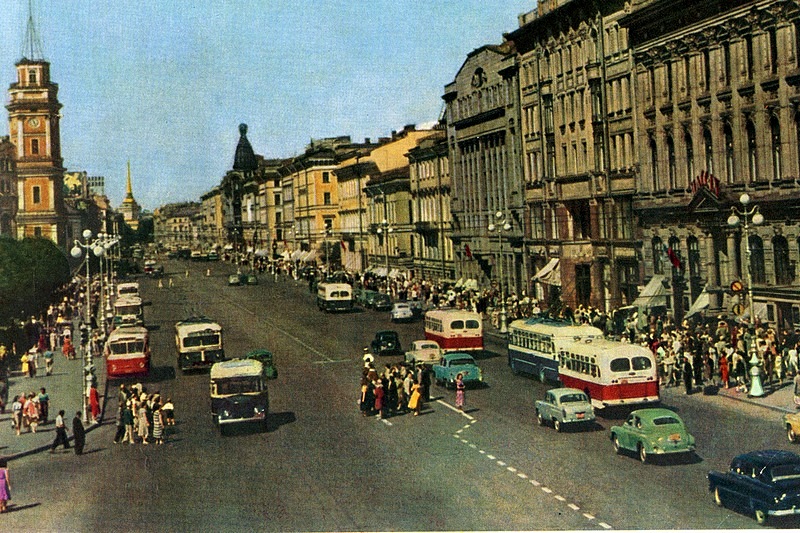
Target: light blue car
(565,406)
(454,363)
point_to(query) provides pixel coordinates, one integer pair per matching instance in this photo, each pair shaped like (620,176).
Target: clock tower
(33,115)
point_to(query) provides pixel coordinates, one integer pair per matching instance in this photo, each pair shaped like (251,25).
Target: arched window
(674,245)
(658,255)
(784,273)
(775,134)
(752,162)
(694,256)
(729,168)
(709,151)
(654,163)
(671,162)
(757,259)
(690,174)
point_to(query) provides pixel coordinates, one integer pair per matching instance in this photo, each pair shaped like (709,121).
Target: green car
(267,359)
(655,431)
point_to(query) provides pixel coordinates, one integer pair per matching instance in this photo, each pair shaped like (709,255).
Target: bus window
(641,363)
(457,324)
(623,364)
(473,324)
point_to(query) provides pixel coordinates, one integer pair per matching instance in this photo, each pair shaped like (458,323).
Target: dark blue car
(762,483)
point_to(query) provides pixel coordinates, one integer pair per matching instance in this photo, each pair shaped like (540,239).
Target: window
(32,78)
(654,163)
(687,139)
(34,146)
(729,168)
(707,69)
(752,161)
(37,194)
(669,81)
(784,272)
(757,269)
(709,149)
(583,284)
(276,198)
(622,364)
(773,51)
(671,161)
(726,63)
(326,177)
(658,255)
(326,198)
(775,131)
(37,231)
(748,44)
(694,256)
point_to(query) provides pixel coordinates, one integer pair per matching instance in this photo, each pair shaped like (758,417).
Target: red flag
(344,246)
(673,258)
(467,251)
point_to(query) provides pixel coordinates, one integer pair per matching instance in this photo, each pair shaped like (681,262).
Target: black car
(382,302)
(386,342)
(763,483)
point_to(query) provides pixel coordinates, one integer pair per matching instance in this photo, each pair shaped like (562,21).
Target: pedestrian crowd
(143,417)
(397,389)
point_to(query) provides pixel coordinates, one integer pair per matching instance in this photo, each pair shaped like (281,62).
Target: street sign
(738,309)
(737,286)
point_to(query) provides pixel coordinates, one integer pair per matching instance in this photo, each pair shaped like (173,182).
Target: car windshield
(784,472)
(572,398)
(464,361)
(240,385)
(665,421)
(201,340)
(428,347)
(126,347)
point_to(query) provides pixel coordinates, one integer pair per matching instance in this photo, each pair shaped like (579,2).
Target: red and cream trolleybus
(127,352)
(612,373)
(454,329)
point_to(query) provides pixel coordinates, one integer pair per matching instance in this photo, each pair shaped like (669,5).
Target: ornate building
(8,188)
(716,110)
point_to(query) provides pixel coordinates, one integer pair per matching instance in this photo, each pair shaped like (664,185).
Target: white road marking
(456,409)
(521,475)
(604,525)
(573,507)
(560,498)
(587,515)
(547,490)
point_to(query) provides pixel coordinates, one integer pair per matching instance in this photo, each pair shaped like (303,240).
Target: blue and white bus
(534,343)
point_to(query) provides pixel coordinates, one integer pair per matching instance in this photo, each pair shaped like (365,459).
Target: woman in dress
(5,486)
(414,403)
(144,427)
(460,391)
(158,424)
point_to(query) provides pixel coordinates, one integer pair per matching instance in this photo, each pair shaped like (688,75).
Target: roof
(128,299)
(245,158)
(236,368)
(654,412)
(129,332)
(767,457)
(189,327)
(458,355)
(557,328)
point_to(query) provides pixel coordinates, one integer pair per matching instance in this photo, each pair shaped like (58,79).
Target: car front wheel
(717,497)
(617,446)
(557,425)
(642,453)
(790,433)
(540,419)
(761,516)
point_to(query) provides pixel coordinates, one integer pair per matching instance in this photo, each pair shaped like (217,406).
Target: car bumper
(669,451)
(256,418)
(784,512)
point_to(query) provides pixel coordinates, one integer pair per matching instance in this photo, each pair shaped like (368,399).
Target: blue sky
(165,83)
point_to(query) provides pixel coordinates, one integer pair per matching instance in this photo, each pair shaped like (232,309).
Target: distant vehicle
(137,252)
(251,279)
(762,483)
(382,302)
(425,352)
(197,255)
(184,253)
(235,279)
(128,289)
(127,352)
(128,311)
(654,431)
(238,390)
(199,343)
(534,343)
(401,312)
(267,359)
(564,407)
(149,266)
(334,297)
(212,256)
(454,363)
(386,342)
(791,423)
(453,329)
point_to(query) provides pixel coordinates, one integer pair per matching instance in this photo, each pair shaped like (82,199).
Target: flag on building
(467,251)
(673,258)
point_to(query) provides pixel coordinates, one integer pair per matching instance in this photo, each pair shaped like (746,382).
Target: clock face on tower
(33,122)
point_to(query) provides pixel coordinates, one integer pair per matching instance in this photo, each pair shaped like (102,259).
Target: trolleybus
(533,344)
(199,343)
(127,352)
(128,311)
(612,373)
(454,329)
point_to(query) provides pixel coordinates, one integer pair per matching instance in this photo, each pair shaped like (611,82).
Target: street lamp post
(76,252)
(749,215)
(501,226)
(386,229)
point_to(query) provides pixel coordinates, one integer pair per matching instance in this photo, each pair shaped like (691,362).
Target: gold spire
(129,187)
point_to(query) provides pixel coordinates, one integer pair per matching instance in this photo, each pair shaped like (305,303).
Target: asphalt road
(320,465)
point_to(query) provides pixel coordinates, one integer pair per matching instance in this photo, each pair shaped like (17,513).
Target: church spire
(128,186)
(32,45)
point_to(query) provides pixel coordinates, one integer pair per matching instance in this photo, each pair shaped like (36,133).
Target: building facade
(8,188)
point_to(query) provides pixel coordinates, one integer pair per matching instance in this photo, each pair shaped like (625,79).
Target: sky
(164,84)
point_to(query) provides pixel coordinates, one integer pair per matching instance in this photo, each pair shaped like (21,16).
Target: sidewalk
(64,387)
(778,398)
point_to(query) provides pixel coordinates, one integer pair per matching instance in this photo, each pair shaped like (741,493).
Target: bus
(454,330)
(611,373)
(238,389)
(128,311)
(334,297)
(199,343)
(533,344)
(128,288)
(127,352)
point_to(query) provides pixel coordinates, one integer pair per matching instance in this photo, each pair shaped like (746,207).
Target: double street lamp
(96,247)
(754,216)
(386,229)
(501,226)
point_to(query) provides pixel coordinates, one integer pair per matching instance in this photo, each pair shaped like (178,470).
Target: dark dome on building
(245,158)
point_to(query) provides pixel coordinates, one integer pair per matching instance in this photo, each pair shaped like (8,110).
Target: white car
(424,351)
(402,311)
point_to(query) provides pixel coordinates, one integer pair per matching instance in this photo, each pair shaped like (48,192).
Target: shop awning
(380,272)
(653,294)
(550,273)
(699,305)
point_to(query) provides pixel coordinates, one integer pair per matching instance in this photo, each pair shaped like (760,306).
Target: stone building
(8,188)
(717,91)
(483,136)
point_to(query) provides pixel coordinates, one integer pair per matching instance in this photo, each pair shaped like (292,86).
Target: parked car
(424,351)
(452,364)
(267,359)
(764,483)
(236,279)
(386,342)
(791,423)
(382,302)
(654,431)
(401,311)
(565,406)
(251,279)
